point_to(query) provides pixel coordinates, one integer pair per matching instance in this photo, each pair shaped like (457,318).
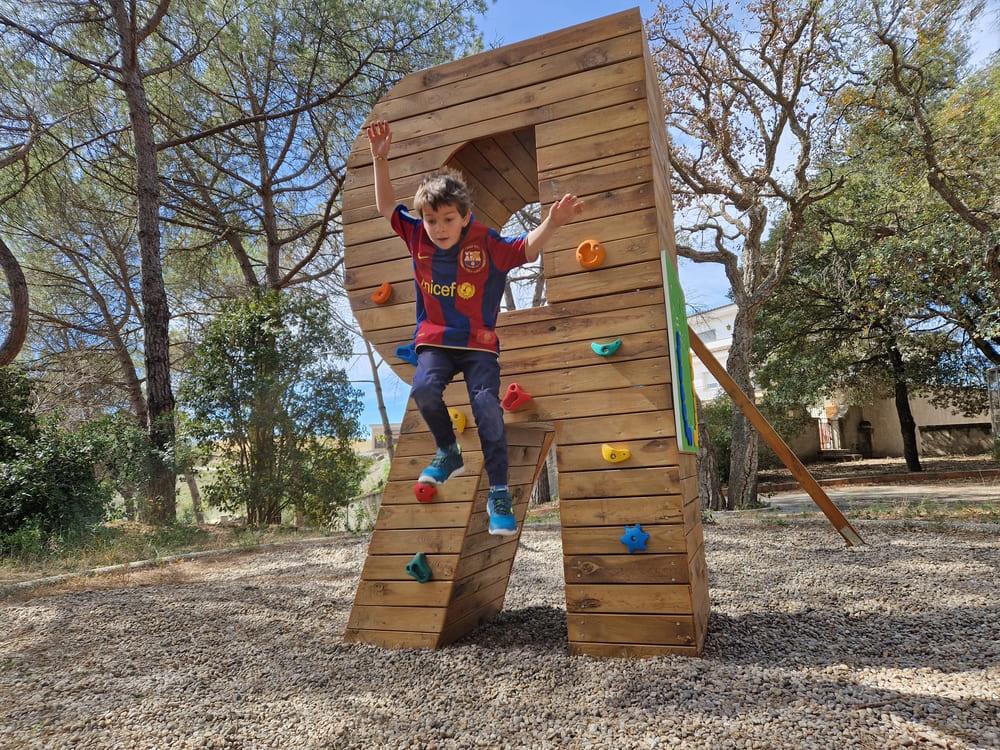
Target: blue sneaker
(498,506)
(446,464)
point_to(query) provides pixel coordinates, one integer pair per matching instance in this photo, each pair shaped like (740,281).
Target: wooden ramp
(575,111)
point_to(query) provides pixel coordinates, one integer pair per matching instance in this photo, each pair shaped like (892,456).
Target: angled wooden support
(773,439)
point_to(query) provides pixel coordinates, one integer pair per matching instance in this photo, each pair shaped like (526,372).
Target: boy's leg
(435,369)
(482,376)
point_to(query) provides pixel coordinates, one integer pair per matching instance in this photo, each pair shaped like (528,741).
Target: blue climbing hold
(606,350)
(635,538)
(418,568)
(407,353)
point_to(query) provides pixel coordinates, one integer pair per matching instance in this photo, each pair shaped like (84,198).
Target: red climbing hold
(424,492)
(381,295)
(515,397)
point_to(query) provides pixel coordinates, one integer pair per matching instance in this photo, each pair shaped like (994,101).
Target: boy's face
(444,224)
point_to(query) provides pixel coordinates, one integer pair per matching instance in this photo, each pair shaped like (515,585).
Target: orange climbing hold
(515,397)
(381,295)
(590,254)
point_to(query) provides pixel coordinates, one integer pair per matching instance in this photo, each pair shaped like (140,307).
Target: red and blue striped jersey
(459,289)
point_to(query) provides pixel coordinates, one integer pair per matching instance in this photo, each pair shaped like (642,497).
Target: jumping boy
(460,268)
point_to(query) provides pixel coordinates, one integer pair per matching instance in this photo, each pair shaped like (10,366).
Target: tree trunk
(390,447)
(19,298)
(162,506)
(543,490)
(744,454)
(709,486)
(192,483)
(907,425)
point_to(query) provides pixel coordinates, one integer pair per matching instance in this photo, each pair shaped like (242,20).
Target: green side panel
(682,378)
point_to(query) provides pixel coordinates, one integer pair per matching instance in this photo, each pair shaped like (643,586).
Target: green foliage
(48,488)
(121,451)
(265,397)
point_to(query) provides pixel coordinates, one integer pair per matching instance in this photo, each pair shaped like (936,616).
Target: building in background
(843,429)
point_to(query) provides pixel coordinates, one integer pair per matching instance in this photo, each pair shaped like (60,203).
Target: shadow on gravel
(541,628)
(947,640)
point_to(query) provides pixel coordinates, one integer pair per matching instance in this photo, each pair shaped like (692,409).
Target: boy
(460,268)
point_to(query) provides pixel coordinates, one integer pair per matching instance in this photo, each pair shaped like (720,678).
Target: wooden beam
(773,439)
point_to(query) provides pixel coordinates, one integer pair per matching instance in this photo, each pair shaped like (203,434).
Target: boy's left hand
(565,209)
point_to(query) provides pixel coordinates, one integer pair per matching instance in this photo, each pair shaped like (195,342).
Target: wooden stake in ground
(773,439)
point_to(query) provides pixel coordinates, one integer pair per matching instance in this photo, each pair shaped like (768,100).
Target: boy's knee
(426,393)
(489,415)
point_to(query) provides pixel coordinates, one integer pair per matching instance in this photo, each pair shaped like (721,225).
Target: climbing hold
(606,350)
(634,538)
(407,353)
(515,397)
(418,568)
(590,254)
(424,492)
(457,420)
(381,295)
(615,455)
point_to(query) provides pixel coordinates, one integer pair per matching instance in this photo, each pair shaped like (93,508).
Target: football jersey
(459,289)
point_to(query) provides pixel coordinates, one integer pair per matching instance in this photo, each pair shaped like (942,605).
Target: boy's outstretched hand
(380,138)
(565,209)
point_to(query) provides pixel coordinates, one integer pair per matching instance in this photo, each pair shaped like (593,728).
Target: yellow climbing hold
(615,455)
(457,420)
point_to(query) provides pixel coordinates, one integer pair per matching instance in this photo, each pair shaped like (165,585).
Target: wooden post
(773,439)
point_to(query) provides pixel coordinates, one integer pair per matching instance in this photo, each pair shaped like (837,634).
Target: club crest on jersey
(472,258)
(466,290)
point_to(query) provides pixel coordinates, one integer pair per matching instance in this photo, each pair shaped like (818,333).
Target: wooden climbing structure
(575,111)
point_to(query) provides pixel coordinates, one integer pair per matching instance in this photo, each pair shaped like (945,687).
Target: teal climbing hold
(418,568)
(606,350)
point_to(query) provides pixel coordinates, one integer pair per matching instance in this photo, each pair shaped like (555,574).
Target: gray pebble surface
(812,645)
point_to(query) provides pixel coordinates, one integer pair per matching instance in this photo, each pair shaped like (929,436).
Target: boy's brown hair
(443,187)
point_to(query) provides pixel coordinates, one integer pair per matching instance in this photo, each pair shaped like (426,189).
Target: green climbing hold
(606,350)
(418,568)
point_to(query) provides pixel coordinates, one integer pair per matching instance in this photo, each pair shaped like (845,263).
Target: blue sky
(510,21)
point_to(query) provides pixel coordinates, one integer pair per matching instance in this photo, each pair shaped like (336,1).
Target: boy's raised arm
(380,140)
(562,211)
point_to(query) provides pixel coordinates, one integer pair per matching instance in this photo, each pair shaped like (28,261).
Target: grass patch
(930,510)
(121,542)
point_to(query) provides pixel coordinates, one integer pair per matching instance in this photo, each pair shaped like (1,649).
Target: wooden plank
(602,511)
(605,281)
(637,568)
(480,521)
(412,619)
(484,578)
(643,426)
(618,482)
(391,638)
(630,650)
(503,90)
(554,313)
(528,50)
(471,564)
(459,608)
(618,253)
(471,621)
(488,208)
(409,467)
(472,160)
(587,179)
(458,489)
(627,140)
(393,567)
(519,493)
(508,157)
(692,514)
(404,541)
(639,629)
(663,599)
(424,516)
(643,453)
(586,124)
(699,594)
(404,593)
(605,540)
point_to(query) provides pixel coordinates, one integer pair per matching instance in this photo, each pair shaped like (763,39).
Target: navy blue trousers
(436,367)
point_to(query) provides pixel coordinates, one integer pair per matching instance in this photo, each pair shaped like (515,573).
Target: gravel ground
(896,644)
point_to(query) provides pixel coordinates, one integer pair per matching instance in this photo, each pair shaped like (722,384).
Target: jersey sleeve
(507,252)
(406,226)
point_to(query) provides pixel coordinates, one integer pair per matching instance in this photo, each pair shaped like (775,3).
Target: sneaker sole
(503,532)
(426,479)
